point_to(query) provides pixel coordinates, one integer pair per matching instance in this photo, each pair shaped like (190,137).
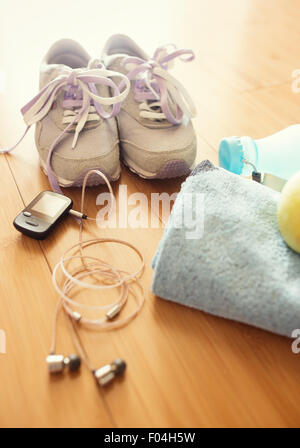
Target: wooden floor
(185,368)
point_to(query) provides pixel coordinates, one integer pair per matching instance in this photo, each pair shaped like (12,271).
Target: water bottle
(277,154)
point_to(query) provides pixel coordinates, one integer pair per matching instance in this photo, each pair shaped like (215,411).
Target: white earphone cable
(109,277)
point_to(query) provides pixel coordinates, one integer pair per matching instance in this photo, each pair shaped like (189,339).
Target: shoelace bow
(162,96)
(81,96)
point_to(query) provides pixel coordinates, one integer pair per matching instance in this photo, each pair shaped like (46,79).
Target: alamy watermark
(134,211)
(296,83)
(2,342)
(296,343)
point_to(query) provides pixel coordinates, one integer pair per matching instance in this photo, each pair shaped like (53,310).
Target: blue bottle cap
(231,154)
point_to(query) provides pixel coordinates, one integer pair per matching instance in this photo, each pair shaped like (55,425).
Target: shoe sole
(93,179)
(173,168)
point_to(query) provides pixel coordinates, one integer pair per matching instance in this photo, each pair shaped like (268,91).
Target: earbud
(103,375)
(107,373)
(57,363)
(73,362)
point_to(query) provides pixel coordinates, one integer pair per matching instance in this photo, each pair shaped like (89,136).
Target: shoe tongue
(94,63)
(62,69)
(51,71)
(113,58)
(59,69)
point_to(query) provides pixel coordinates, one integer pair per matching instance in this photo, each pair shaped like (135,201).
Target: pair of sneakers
(90,113)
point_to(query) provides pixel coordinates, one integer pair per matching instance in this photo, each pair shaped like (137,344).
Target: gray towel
(240,268)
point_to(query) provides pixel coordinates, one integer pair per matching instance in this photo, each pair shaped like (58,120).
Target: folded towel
(240,268)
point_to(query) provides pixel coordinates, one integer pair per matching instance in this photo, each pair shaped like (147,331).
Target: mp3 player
(42,214)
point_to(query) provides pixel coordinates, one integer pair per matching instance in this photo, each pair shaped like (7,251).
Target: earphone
(103,375)
(110,277)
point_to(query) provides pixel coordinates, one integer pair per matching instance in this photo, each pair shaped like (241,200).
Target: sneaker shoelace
(162,97)
(81,104)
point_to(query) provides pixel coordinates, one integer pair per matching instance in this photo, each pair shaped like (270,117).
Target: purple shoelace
(153,83)
(81,93)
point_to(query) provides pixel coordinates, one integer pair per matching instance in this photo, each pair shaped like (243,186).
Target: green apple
(288,212)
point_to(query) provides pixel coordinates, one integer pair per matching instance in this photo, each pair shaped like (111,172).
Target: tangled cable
(109,277)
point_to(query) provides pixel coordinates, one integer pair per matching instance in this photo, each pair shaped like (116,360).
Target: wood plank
(28,396)
(185,368)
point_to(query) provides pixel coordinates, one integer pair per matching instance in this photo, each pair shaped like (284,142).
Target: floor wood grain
(185,368)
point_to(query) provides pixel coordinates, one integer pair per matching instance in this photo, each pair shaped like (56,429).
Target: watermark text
(2,342)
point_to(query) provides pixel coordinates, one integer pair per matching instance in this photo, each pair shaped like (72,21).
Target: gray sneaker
(156,135)
(74,112)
